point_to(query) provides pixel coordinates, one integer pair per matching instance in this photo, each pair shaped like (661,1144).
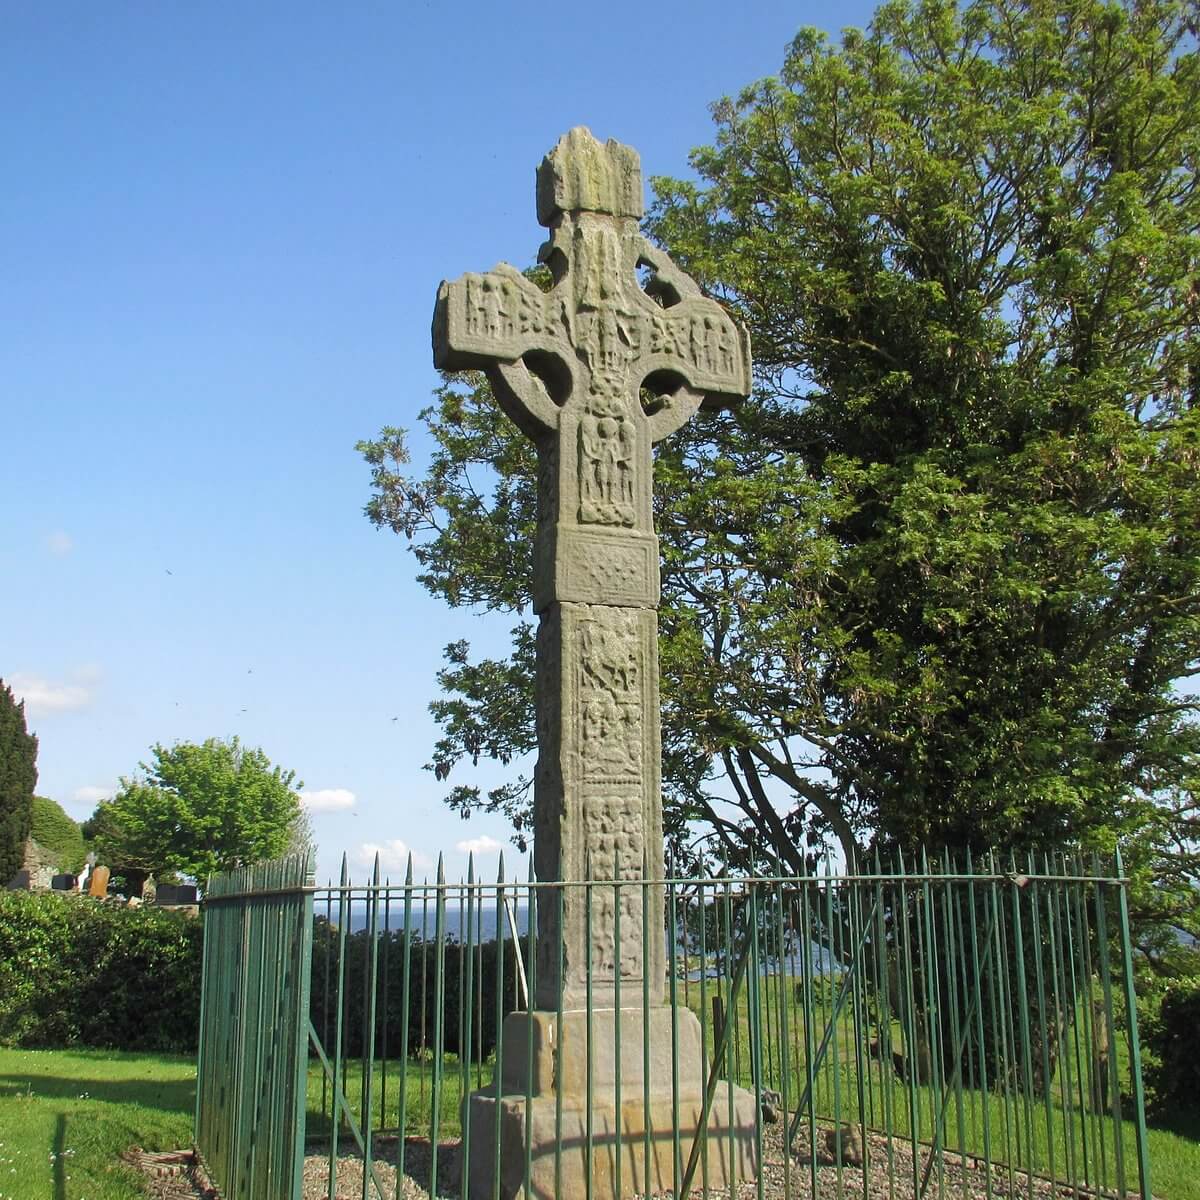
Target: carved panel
(607,460)
(613,831)
(490,305)
(610,337)
(704,343)
(498,315)
(598,568)
(597,265)
(610,664)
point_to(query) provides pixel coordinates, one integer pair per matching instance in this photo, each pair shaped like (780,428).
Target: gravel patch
(418,1161)
(888,1171)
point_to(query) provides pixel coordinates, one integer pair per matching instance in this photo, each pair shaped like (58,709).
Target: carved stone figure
(569,367)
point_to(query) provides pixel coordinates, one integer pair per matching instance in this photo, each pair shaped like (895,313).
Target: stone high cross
(595,371)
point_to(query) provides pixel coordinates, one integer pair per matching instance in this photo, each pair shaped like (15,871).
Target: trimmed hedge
(54,830)
(1171,1037)
(390,1014)
(74,972)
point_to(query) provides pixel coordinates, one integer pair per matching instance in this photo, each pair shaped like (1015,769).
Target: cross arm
(699,356)
(501,323)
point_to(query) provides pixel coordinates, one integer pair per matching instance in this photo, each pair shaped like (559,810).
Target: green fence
(251,1077)
(951,1030)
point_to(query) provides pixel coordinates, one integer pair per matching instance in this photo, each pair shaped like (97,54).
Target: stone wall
(38,867)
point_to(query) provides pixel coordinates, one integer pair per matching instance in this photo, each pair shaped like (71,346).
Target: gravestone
(175,893)
(595,371)
(98,883)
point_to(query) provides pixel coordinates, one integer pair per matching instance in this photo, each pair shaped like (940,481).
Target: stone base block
(542,1053)
(559,1165)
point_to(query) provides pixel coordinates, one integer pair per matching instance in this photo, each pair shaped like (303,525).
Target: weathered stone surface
(581,174)
(657,1054)
(597,796)
(572,367)
(560,1166)
(595,371)
(537,1045)
(38,868)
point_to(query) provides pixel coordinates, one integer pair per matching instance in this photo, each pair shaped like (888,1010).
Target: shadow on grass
(169,1095)
(1185,1123)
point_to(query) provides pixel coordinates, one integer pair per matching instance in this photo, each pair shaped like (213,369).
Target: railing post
(201,1076)
(1135,1048)
(300,1014)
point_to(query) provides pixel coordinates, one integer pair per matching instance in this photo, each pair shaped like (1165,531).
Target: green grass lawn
(66,1116)
(419,1081)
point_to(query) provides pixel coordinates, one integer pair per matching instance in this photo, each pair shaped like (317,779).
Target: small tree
(18,778)
(199,809)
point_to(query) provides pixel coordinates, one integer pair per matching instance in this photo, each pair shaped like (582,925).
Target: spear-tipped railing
(936,1029)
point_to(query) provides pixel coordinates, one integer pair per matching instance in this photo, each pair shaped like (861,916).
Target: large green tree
(200,808)
(18,778)
(938,582)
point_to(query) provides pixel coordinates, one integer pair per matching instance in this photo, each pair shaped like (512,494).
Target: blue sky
(224,229)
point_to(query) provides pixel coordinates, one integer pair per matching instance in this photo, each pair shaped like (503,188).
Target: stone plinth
(557,1131)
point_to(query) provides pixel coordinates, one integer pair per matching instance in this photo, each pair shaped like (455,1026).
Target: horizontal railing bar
(706,884)
(259,894)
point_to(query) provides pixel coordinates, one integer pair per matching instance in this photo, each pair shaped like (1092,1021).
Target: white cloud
(91,795)
(393,856)
(60,543)
(83,800)
(42,696)
(479,845)
(328,800)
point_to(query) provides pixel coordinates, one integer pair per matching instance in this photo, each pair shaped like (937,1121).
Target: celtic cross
(595,371)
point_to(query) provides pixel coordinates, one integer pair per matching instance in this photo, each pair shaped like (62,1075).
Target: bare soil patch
(171,1175)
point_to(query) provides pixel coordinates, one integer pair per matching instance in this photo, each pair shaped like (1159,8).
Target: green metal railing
(921,1030)
(251,1078)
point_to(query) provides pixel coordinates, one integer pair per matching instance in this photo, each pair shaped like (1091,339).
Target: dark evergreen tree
(18,778)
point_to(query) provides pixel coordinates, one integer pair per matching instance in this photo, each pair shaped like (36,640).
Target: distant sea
(423,926)
(423,921)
